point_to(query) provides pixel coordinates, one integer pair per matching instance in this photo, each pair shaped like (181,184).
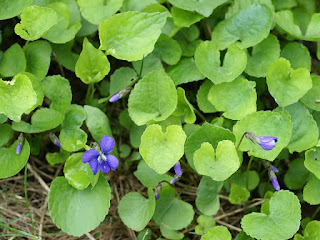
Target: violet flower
(273,168)
(178,172)
(20,143)
(267,143)
(273,179)
(100,159)
(115,97)
(173,180)
(157,191)
(54,139)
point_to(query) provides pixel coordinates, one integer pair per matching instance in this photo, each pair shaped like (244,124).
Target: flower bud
(20,143)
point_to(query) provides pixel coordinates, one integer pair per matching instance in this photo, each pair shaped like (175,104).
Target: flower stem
(315,213)
(247,172)
(240,141)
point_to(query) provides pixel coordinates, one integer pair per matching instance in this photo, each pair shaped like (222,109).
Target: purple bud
(156,196)
(273,168)
(19,145)
(115,97)
(157,191)
(177,169)
(54,139)
(273,179)
(173,180)
(267,143)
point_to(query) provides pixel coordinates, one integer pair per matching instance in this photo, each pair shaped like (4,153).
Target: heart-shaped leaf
(17,96)
(207,57)
(264,123)
(162,150)
(10,162)
(286,85)
(236,99)
(282,222)
(219,166)
(144,28)
(77,212)
(135,210)
(153,98)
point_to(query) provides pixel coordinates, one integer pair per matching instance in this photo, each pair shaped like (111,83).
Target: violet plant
(226,90)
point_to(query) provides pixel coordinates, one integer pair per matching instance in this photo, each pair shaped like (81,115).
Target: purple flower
(54,139)
(273,168)
(273,179)
(267,143)
(177,169)
(157,191)
(115,97)
(101,159)
(19,145)
(156,196)
(173,180)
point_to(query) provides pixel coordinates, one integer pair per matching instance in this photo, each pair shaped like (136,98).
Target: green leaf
(92,65)
(10,162)
(202,97)
(12,8)
(13,61)
(281,5)
(204,7)
(297,175)
(153,98)
(35,22)
(312,231)
(205,223)
(65,56)
(57,157)
(305,132)
(78,211)
(144,28)
(121,78)
(17,96)
(148,177)
(135,210)
(97,123)
(38,56)
(282,222)
(184,107)
(136,5)
(264,123)
(148,64)
(185,71)
(312,162)
(98,10)
(206,133)
(311,192)
(37,87)
(262,56)
(169,233)
(162,150)
(220,165)
(168,50)
(135,135)
(58,90)
(243,236)
(78,174)
(240,179)
(250,25)
(207,57)
(238,194)
(42,120)
(236,99)
(3,118)
(309,99)
(207,200)
(67,26)
(145,234)
(171,211)
(6,133)
(74,117)
(298,55)
(217,233)
(183,18)
(73,139)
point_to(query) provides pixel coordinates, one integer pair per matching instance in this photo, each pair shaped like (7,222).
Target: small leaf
(168,50)
(238,194)
(282,222)
(312,231)
(311,192)
(77,212)
(183,18)
(135,210)
(207,57)
(121,78)
(240,179)
(10,162)
(169,233)
(72,139)
(298,55)
(202,97)
(205,223)
(309,99)
(153,98)
(57,157)
(220,165)
(162,150)
(65,55)
(13,61)
(92,65)
(6,133)
(35,22)
(74,117)
(148,64)
(184,107)
(312,161)
(144,28)
(217,233)
(297,175)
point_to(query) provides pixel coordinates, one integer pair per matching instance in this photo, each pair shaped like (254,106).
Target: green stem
(26,198)
(18,231)
(315,213)
(90,92)
(141,68)
(240,142)
(199,114)
(247,172)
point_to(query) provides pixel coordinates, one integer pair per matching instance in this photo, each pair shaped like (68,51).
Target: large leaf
(162,150)
(281,223)
(135,210)
(153,98)
(12,8)
(143,28)
(78,211)
(264,123)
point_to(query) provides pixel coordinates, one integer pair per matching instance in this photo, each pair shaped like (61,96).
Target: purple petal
(112,162)
(89,155)
(115,97)
(18,148)
(268,139)
(107,144)
(275,184)
(268,145)
(94,165)
(274,169)
(177,169)
(104,167)
(156,196)
(57,143)
(173,180)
